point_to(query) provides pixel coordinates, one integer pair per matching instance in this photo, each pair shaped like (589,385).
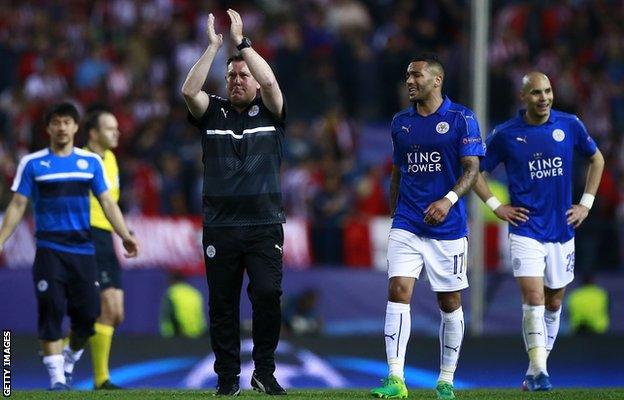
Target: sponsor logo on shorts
(211,251)
(42,285)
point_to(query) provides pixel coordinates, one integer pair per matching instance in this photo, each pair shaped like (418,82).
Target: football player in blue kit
(437,145)
(536,147)
(58,179)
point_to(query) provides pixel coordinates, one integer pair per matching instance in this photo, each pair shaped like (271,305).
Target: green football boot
(444,391)
(392,387)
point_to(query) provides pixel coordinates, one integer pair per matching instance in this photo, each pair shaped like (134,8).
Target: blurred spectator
(588,308)
(340,66)
(301,314)
(182,310)
(330,207)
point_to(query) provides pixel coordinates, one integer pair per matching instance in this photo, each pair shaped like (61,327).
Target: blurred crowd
(340,64)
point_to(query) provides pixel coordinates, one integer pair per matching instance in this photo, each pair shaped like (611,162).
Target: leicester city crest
(558,135)
(253,111)
(442,127)
(211,251)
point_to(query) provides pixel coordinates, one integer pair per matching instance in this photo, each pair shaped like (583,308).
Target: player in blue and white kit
(59,179)
(437,145)
(536,148)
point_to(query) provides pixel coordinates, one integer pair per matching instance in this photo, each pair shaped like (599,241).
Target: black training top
(242,154)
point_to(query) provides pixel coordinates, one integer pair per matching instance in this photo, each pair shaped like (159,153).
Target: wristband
(493,203)
(452,196)
(587,200)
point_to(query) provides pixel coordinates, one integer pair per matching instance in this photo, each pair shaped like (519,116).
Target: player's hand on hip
(132,246)
(236,27)
(511,214)
(213,38)
(576,215)
(437,211)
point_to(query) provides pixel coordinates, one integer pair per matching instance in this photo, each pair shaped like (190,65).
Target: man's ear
(438,81)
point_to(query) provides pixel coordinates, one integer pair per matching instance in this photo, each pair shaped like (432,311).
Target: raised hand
(236,27)
(215,40)
(511,214)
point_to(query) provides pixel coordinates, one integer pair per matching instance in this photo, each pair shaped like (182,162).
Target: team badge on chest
(442,127)
(82,164)
(253,111)
(558,135)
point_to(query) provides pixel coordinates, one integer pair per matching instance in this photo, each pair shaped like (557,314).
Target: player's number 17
(458,262)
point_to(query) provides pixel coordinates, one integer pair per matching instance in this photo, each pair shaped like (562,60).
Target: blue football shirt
(538,161)
(59,188)
(428,150)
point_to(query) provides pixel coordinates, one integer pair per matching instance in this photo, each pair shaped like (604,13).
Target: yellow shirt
(98,219)
(502,194)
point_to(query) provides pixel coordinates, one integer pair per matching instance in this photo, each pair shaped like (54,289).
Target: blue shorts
(65,281)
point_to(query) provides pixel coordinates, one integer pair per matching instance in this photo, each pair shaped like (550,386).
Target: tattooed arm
(436,212)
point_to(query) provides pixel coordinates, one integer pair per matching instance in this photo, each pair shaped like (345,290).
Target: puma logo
(455,349)
(45,163)
(224,112)
(458,277)
(535,333)
(279,248)
(390,336)
(406,128)
(522,139)
(551,337)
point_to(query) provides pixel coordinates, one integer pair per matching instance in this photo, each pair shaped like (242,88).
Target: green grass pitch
(489,394)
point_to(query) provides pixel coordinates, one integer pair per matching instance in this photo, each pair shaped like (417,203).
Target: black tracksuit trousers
(228,252)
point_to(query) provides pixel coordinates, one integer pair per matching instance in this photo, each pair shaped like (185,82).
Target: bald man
(536,148)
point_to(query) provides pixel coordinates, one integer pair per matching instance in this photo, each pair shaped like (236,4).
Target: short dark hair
(65,109)
(235,57)
(92,120)
(431,59)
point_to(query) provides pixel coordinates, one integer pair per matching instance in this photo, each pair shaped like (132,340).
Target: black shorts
(109,270)
(65,281)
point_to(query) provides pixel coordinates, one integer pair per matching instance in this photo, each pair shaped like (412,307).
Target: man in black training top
(242,139)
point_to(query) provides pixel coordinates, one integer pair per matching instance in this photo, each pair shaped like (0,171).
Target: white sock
(54,365)
(451,336)
(534,334)
(71,357)
(396,333)
(552,320)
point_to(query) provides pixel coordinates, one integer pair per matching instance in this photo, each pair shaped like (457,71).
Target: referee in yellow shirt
(103,135)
